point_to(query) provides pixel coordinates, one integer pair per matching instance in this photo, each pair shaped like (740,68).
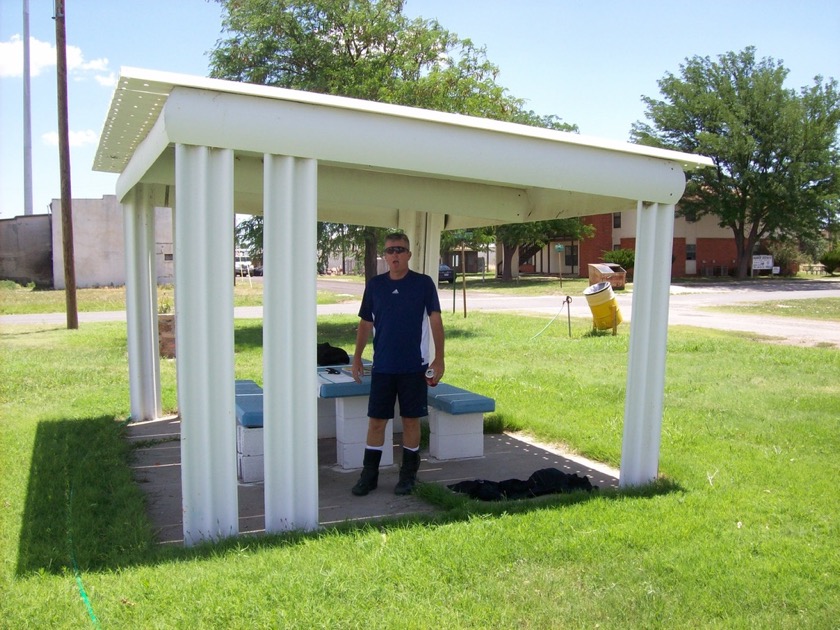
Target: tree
(775,152)
(364,49)
(249,235)
(538,233)
(338,238)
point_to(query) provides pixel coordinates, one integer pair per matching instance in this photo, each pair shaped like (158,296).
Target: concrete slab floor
(157,468)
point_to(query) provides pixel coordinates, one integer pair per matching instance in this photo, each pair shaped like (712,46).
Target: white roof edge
(172,79)
(142,158)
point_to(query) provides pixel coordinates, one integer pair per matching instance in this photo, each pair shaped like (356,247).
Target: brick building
(701,248)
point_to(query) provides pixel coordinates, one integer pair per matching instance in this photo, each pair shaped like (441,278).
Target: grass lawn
(821,308)
(17,300)
(742,531)
(525,285)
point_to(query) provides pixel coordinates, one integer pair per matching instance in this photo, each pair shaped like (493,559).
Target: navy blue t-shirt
(399,310)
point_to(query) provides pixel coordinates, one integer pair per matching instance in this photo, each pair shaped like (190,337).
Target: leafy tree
(832,222)
(364,49)
(478,239)
(775,151)
(538,233)
(475,238)
(338,238)
(249,235)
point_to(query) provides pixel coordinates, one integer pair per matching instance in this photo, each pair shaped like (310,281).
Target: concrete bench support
(250,462)
(351,419)
(456,422)
(342,414)
(455,437)
(351,425)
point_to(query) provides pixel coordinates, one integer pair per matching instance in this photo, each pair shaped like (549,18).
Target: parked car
(242,264)
(445,274)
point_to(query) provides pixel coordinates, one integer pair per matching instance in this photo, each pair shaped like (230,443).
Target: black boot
(370,473)
(408,472)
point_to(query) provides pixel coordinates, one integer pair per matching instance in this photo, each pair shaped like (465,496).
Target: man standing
(401,308)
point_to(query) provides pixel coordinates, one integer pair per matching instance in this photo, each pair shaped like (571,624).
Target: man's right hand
(357,370)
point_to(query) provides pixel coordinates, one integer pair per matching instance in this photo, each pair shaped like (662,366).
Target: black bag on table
(330,355)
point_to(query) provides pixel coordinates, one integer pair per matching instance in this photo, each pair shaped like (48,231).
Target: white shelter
(209,148)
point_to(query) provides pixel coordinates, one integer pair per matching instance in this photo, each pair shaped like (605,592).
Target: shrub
(624,257)
(11,285)
(831,261)
(785,256)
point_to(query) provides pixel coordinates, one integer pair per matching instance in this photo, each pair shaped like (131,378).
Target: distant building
(26,250)
(30,245)
(701,248)
(99,243)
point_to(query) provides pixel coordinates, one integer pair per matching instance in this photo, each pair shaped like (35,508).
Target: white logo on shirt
(395,292)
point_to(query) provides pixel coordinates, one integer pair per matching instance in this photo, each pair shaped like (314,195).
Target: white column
(290,412)
(141,304)
(204,341)
(434,226)
(423,229)
(648,340)
(407,222)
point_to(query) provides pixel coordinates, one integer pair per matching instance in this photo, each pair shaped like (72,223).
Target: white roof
(375,158)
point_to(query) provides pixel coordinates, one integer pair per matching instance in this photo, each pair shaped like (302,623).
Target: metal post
(27,117)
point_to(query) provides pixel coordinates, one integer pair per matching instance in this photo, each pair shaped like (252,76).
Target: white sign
(762,262)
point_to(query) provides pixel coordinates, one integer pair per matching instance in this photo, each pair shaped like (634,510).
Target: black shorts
(410,389)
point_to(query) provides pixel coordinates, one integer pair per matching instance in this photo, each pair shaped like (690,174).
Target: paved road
(688,306)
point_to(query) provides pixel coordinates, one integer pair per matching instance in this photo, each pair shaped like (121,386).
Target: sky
(587,61)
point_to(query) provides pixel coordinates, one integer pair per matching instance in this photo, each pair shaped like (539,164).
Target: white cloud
(42,56)
(76,138)
(107,80)
(97,65)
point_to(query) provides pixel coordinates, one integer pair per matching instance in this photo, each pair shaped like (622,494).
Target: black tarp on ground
(542,482)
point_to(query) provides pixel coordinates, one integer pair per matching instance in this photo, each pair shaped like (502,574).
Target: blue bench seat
(249,404)
(456,401)
(338,385)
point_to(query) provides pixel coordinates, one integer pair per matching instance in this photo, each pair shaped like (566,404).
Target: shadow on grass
(85,511)
(594,332)
(248,336)
(338,333)
(82,507)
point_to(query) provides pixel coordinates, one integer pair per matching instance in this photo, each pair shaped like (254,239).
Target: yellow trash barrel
(604,307)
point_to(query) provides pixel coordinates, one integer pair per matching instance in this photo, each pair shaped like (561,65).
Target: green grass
(821,308)
(525,285)
(741,533)
(18,300)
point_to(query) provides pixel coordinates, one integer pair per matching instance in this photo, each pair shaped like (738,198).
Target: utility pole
(27,117)
(64,167)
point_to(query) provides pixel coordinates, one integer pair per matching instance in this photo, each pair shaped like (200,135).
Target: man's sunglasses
(396,250)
